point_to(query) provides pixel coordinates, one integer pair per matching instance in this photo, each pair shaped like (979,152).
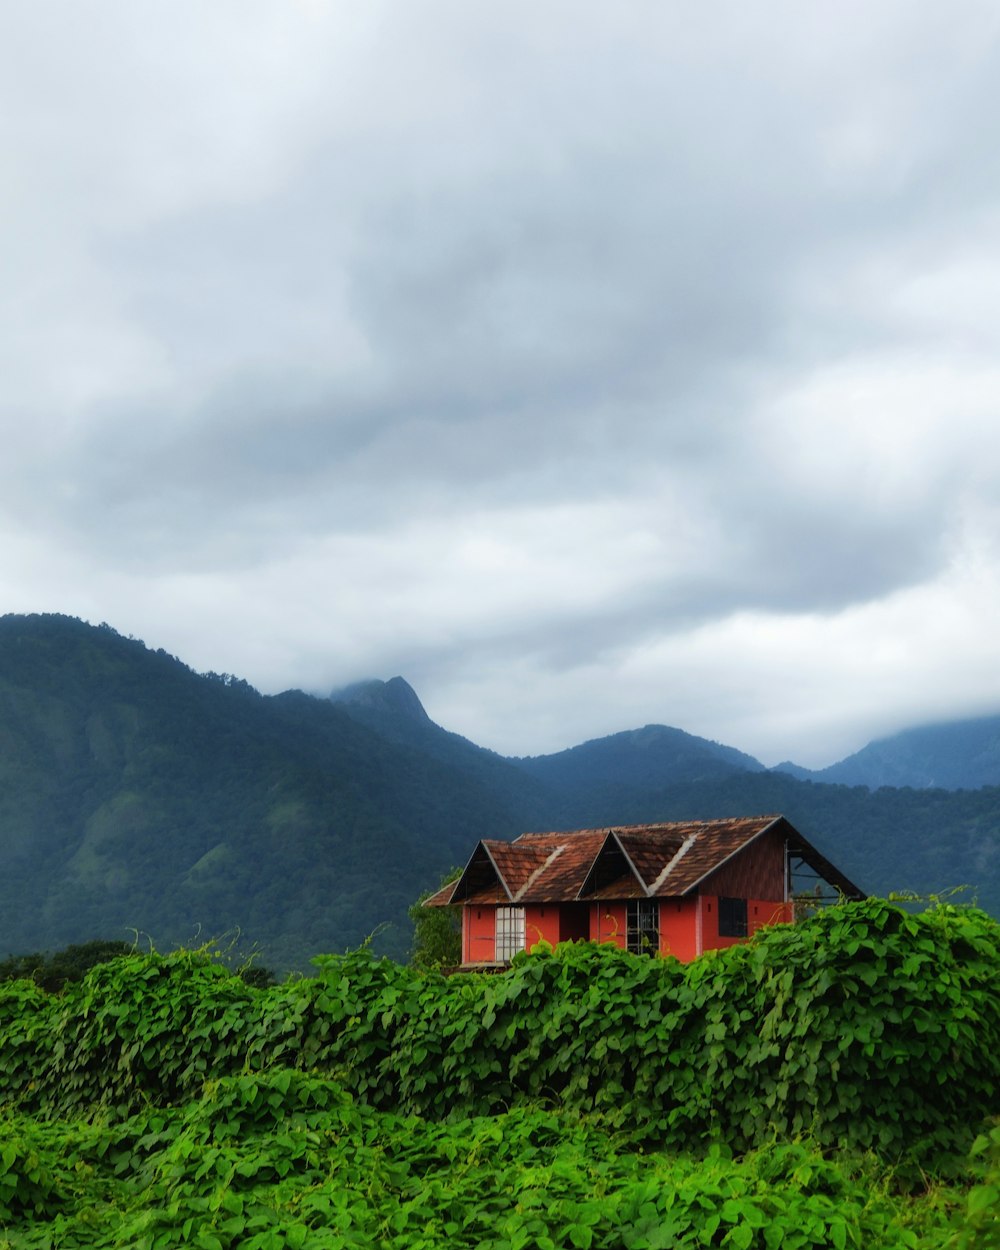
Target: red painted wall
(479,934)
(679,928)
(541,924)
(607,923)
(760,912)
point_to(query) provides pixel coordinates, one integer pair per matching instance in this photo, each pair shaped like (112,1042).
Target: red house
(670,889)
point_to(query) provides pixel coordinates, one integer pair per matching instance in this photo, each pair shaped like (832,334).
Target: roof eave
(828,871)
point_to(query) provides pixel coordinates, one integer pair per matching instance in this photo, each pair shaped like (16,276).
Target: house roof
(667,860)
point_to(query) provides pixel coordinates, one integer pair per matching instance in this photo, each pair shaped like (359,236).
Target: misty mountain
(138,795)
(956,755)
(654,756)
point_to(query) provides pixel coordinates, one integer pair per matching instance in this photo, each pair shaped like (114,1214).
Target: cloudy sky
(587,364)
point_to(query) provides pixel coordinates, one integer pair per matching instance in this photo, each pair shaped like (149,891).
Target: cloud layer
(586,367)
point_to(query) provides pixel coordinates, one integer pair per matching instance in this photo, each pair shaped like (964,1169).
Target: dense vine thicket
(779,1094)
(865,1026)
(267,1161)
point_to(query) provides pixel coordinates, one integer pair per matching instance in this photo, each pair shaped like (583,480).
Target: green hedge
(864,1026)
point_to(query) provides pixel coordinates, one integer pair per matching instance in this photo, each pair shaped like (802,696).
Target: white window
(510,933)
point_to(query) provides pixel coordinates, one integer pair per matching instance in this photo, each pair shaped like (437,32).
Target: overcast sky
(587,364)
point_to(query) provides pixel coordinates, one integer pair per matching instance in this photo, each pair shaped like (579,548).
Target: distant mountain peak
(395,695)
(951,755)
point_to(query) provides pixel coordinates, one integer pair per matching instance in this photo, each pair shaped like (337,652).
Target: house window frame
(733,920)
(642,926)
(509,935)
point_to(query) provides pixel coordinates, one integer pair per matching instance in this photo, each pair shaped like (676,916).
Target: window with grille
(732,917)
(642,926)
(510,933)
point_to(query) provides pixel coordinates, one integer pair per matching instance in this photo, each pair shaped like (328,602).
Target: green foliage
(979,1225)
(786,1035)
(792,1094)
(437,931)
(277,1159)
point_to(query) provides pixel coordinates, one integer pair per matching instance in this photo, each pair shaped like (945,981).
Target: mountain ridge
(960,754)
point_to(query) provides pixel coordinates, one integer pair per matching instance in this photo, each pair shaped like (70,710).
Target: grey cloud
(506,267)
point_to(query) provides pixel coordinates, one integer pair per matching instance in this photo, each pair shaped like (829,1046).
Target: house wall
(607,923)
(756,874)
(479,928)
(679,928)
(541,924)
(687,926)
(760,912)
(479,934)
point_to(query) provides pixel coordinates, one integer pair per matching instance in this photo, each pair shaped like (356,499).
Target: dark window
(642,927)
(732,917)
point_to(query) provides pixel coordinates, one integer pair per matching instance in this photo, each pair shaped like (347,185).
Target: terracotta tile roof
(521,865)
(442,897)
(667,859)
(649,848)
(550,867)
(664,860)
(704,847)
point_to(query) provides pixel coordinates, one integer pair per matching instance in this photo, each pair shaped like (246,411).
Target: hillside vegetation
(137,795)
(826,1085)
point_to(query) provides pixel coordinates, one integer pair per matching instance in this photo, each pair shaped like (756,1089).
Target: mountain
(653,755)
(957,755)
(393,705)
(138,795)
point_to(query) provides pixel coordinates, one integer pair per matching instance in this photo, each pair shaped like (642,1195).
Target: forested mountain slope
(135,793)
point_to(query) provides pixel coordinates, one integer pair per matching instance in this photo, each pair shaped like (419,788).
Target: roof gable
(612,874)
(480,875)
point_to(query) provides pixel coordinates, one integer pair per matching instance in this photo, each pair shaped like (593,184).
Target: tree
(437,931)
(52,971)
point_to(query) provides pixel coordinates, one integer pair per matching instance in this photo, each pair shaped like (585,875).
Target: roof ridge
(672,863)
(534,875)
